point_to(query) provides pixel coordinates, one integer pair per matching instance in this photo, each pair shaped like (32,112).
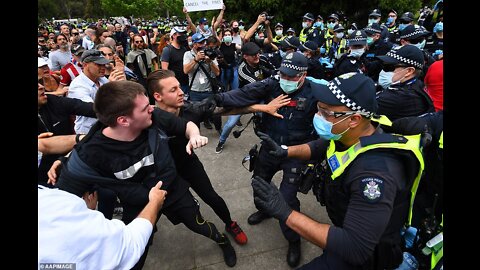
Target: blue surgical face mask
(370,21)
(304,24)
(318,25)
(339,35)
(420,45)
(282,53)
(369,41)
(350,31)
(278,32)
(324,128)
(190,43)
(288,86)
(227,39)
(330,25)
(389,21)
(241,27)
(356,52)
(385,79)
(402,26)
(205,27)
(438,27)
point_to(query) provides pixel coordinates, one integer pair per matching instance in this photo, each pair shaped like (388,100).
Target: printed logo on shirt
(132,170)
(372,189)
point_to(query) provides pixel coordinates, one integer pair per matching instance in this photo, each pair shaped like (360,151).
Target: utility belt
(313,176)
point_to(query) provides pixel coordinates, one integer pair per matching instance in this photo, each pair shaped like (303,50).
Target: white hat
(177,29)
(41,62)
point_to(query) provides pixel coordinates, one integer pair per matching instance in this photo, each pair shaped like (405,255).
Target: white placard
(198,5)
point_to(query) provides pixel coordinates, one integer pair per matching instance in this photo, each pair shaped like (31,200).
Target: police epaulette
(382,138)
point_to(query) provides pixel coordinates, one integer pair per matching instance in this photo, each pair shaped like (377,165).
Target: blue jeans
(227,128)
(229,76)
(185,89)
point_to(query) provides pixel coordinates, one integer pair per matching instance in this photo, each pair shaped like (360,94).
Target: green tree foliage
(137,8)
(288,12)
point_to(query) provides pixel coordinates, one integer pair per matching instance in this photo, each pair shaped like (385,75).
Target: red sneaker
(237,233)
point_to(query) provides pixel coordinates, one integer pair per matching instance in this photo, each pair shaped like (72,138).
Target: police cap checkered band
(417,33)
(333,86)
(291,66)
(370,30)
(404,60)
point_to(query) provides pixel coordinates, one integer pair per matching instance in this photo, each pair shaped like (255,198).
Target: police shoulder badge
(372,189)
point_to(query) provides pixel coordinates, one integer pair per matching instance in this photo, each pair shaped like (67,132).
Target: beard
(64,47)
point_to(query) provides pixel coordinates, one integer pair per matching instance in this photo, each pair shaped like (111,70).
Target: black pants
(187,211)
(193,172)
(266,166)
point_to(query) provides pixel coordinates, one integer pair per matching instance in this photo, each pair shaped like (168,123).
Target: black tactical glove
(203,108)
(273,148)
(268,199)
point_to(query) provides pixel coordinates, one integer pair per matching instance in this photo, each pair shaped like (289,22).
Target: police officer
(315,69)
(353,60)
(290,32)
(402,93)
(295,128)
(370,176)
(391,21)
(427,215)
(335,47)
(416,36)
(376,46)
(308,32)
(332,20)
(278,34)
(375,17)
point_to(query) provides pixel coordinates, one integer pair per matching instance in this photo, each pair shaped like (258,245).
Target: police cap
(407,55)
(293,63)
(353,90)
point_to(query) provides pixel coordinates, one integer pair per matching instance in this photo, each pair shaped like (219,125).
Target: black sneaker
(207,124)
(219,147)
(229,255)
(257,217)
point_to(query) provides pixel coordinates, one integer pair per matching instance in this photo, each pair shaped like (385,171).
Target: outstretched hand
(268,199)
(275,104)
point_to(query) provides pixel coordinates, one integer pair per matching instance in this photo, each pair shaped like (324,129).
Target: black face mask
(235,29)
(181,39)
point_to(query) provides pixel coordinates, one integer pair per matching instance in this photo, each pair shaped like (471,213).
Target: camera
(211,53)
(267,16)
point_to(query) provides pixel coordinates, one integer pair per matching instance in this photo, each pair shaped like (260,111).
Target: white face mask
(339,35)
(278,32)
(304,24)
(370,21)
(385,79)
(350,31)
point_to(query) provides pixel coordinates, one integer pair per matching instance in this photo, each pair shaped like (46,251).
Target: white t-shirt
(69,232)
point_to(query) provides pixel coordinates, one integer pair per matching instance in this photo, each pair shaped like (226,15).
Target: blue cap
(408,55)
(197,37)
(293,63)
(353,90)
(202,20)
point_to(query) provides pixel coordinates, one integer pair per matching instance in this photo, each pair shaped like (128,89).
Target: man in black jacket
(54,115)
(127,151)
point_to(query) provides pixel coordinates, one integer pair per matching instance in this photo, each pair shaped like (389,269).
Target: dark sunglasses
(138,41)
(75,34)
